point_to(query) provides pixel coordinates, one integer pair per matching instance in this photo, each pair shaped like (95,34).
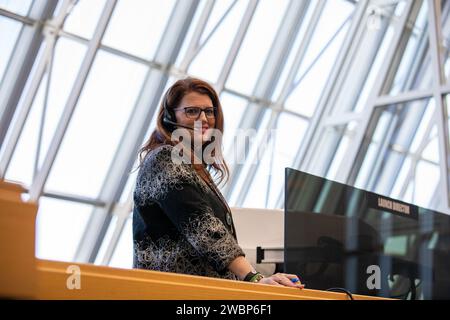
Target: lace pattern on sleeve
(168,255)
(209,236)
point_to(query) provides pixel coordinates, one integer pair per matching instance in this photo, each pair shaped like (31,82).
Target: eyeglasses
(194,112)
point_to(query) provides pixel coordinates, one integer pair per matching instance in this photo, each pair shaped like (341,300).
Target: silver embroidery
(204,246)
(209,236)
(159,174)
(179,256)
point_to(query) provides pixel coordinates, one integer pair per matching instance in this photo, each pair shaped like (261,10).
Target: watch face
(228,217)
(258,278)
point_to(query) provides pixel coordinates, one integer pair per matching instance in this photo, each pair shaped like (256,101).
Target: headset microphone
(178,124)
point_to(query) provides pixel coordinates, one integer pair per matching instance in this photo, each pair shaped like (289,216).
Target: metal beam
(17,17)
(404,97)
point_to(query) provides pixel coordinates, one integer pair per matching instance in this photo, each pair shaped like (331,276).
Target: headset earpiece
(168,118)
(170,121)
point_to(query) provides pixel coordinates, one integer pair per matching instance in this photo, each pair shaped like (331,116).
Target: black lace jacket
(180,223)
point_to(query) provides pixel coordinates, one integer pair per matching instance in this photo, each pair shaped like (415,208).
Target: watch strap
(253,277)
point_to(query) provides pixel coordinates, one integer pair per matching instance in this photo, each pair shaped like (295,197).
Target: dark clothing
(180,224)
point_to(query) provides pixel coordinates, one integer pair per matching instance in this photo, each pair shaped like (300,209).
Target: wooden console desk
(24,276)
(99,282)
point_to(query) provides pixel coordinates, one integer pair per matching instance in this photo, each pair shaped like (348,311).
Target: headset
(170,121)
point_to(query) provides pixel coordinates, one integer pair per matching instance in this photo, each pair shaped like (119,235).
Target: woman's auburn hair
(162,134)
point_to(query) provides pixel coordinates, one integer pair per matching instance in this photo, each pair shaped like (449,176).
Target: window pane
(21,167)
(373,43)
(84,18)
(219,8)
(66,62)
(414,71)
(389,146)
(340,153)
(131,181)
(280,153)
(426,121)
(106,240)
(290,60)
(313,73)
(402,179)
(378,62)
(123,254)
(209,61)
(192,27)
(254,50)
(233,109)
(427,178)
(431,151)
(137,26)
(249,159)
(96,126)
(59,228)
(370,157)
(9,32)
(333,16)
(17,6)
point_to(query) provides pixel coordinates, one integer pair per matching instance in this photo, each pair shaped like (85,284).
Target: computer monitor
(340,236)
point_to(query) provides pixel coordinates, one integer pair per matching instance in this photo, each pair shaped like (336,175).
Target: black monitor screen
(338,236)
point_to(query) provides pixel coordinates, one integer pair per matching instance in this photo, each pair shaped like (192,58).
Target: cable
(412,289)
(348,293)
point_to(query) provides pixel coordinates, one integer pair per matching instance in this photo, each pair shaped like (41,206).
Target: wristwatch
(253,277)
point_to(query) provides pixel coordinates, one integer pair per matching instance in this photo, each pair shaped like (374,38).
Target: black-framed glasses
(194,112)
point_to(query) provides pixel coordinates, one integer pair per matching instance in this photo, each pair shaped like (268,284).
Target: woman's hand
(283,279)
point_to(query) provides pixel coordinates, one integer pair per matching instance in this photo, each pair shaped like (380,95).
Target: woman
(181,222)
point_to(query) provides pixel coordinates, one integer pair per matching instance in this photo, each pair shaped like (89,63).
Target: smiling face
(195,99)
(184,93)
